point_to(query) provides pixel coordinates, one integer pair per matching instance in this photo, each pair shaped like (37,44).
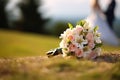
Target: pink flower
(78,29)
(89,37)
(71,37)
(91,44)
(79,52)
(72,47)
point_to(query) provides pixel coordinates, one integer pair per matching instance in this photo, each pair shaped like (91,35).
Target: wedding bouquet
(83,40)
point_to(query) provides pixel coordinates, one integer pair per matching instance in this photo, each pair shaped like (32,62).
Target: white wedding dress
(107,35)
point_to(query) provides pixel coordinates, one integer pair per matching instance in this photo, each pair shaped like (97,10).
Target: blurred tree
(59,28)
(3,17)
(33,21)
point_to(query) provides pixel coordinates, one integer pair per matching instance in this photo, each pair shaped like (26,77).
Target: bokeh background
(48,16)
(30,28)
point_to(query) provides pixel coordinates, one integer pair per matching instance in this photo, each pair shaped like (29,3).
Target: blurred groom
(110,15)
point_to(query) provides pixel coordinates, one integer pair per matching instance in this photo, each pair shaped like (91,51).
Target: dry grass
(57,68)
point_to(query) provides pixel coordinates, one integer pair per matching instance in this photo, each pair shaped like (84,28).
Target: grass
(13,44)
(22,57)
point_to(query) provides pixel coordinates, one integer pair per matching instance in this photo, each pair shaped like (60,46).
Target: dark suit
(110,13)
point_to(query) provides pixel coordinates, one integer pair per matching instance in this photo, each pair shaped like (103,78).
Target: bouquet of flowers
(83,40)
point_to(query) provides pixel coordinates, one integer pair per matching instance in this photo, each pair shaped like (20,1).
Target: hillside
(22,57)
(13,44)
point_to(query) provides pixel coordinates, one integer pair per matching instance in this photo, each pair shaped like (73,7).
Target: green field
(15,44)
(23,57)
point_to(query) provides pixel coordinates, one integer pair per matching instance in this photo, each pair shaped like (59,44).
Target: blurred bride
(98,18)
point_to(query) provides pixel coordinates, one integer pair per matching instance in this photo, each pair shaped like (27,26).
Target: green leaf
(68,41)
(70,25)
(98,45)
(65,49)
(81,22)
(96,28)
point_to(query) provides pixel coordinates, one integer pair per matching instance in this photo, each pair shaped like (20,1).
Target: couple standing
(105,21)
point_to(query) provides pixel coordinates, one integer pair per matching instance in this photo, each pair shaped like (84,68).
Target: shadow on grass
(110,58)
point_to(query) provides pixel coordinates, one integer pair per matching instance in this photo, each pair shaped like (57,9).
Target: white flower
(79,41)
(86,26)
(77,26)
(62,44)
(98,40)
(65,33)
(98,51)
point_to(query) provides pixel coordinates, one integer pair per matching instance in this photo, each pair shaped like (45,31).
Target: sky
(73,8)
(65,9)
